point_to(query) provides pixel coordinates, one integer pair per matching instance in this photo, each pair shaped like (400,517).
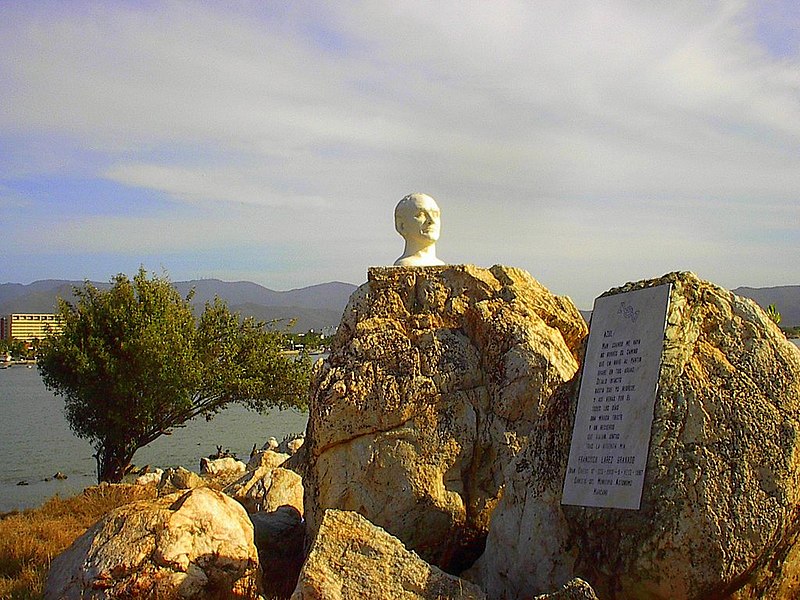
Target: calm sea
(36,441)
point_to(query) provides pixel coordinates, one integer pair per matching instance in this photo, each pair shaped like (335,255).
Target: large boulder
(352,558)
(436,376)
(719,509)
(191,545)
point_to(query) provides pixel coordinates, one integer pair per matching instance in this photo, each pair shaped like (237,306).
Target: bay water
(36,441)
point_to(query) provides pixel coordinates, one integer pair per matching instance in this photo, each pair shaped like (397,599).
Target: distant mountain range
(315,307)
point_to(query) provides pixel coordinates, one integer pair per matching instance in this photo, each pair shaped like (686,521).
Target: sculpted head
(417,219)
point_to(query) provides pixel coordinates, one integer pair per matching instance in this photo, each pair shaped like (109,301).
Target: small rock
(575,589)
(151,478)
(179,479)
(221,466)
(268,488)
(60,476)
(22,483)
(266,458)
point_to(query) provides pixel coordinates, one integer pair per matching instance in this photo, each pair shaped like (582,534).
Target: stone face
(268,488)
(719,506)
(352,558)
(435,379)
(192,545)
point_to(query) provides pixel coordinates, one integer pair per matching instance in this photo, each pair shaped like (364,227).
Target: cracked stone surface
(436,377)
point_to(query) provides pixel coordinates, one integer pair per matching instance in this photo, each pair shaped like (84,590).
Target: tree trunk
(112,464)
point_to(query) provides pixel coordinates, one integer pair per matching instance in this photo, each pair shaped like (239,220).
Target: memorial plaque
(611,435)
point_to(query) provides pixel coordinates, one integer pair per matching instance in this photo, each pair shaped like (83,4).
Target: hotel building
(27,327)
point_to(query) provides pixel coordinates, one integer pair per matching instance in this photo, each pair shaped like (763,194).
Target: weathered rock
(352,558)
(179,478)
(149,478)
(720,503)
(192,545)
(280,538)
(266,458)
(435,378)
(268,488)
(575,589)
(221,466)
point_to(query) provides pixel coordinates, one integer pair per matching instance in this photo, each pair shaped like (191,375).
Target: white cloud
(552,125)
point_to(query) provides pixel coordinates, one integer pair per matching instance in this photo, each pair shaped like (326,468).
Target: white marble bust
(417,219)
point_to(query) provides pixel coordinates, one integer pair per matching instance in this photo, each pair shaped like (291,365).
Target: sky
(590,143)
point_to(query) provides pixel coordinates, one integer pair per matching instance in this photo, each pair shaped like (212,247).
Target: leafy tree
(132,362)
(12,346)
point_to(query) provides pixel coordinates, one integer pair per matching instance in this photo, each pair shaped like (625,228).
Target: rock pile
(439,432)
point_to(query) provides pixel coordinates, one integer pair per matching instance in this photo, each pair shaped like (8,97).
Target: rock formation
(719,509)
(179,478)
(193,545)
(352,558)
(435,379)
(267,489)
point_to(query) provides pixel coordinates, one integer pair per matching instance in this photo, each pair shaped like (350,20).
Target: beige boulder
(266,458)
(179,478)
(268,488)
(352,558)
(190,545)
(435,378)
(719,508)
(221,466)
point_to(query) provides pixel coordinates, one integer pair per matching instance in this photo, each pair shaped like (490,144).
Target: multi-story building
(27,327)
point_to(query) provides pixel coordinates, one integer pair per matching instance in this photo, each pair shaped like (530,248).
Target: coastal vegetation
(133,362)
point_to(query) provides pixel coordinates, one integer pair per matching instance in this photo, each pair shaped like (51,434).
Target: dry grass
(30,539)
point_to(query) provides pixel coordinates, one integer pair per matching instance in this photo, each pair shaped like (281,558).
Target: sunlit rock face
(189,545)
(719,511)
(436,378)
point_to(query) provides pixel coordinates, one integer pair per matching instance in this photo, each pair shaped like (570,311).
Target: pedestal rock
(719,510)
(435,379)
